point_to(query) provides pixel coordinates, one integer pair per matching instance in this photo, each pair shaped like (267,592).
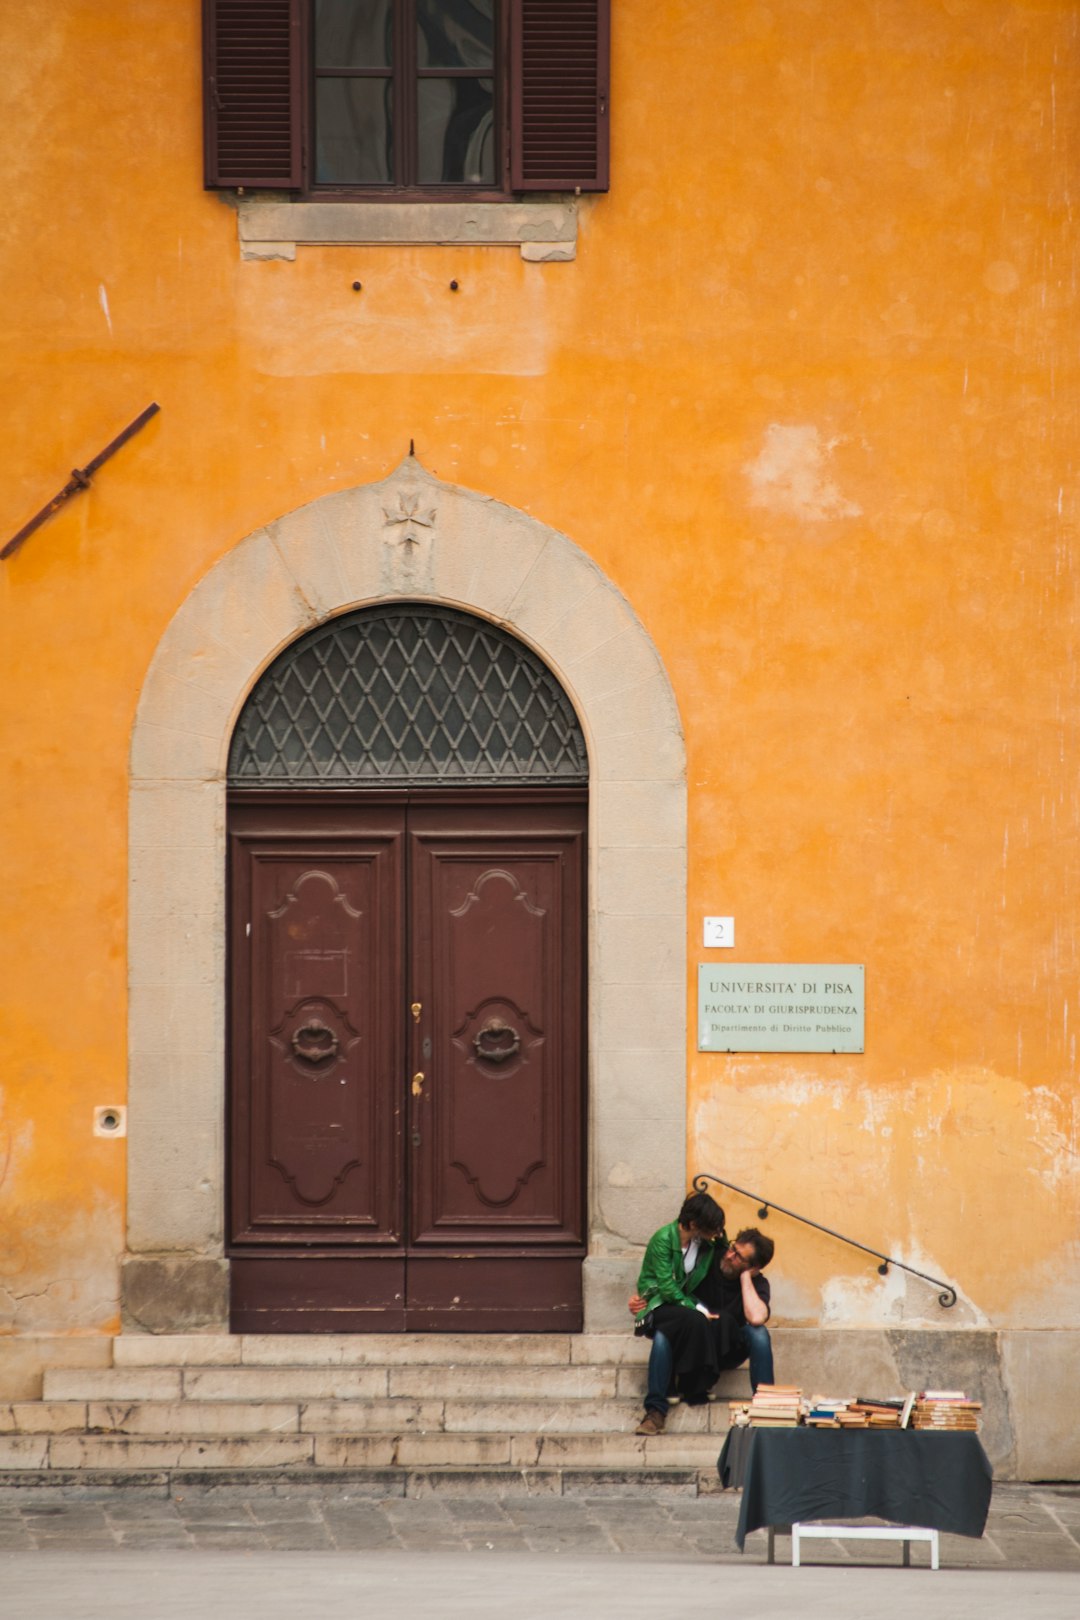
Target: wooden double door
(406,1100)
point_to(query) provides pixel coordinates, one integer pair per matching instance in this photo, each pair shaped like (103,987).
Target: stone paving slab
(1031,1527)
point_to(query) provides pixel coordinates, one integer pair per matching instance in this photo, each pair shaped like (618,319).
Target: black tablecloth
(732,1464)
(910,1476)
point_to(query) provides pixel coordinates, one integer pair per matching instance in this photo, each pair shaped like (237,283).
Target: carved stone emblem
(409,512)
(407,550)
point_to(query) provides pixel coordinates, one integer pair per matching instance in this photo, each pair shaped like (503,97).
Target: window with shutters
(401,99)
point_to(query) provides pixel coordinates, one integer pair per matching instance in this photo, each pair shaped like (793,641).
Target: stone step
(262,1451)
(109,1383)
(332,1383)
(616,1451)
(379,1349)
(352,1383)
(410,1413)
(451,1415)
(647,1483)
(293,1383)
(415,1383)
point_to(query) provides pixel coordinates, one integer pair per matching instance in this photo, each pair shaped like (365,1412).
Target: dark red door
(407,1097)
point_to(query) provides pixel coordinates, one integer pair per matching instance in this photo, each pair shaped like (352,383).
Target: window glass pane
(353,33)
(456,127)
(353,145)
(455,33)
(414,692)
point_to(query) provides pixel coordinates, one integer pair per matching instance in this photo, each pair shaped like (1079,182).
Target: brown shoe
(652,1423)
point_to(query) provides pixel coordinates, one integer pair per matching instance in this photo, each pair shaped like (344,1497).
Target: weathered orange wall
(808,396)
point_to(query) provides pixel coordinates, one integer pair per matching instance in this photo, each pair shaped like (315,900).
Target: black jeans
(751,1343)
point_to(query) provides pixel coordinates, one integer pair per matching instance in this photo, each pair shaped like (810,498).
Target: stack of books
(945,1409)
(889,1412)
(780,1406)
(775,1406)
(823,1411)
(877,1412)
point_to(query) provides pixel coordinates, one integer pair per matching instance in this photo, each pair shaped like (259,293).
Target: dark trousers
(750,1343)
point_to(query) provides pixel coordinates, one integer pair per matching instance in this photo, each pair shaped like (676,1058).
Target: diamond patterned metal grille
(420,694)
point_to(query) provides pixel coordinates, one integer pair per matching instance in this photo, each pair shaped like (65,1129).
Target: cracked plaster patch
(789,475)
(872,1300)
(61,1272)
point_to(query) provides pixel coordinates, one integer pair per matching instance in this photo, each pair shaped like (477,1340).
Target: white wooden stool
(907,1533)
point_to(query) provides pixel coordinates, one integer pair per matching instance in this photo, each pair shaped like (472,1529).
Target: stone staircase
(393,1414)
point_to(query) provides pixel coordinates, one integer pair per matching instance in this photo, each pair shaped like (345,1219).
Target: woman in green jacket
(678,1256)
(677,1260)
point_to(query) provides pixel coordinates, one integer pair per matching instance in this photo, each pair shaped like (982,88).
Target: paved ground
(233,1553)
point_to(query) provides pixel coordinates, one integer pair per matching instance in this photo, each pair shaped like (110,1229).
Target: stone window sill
(544,231)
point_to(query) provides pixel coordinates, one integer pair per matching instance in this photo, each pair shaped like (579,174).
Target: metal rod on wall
(80,479)
(945,1299)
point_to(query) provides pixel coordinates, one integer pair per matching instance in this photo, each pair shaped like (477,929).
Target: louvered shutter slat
(251,53)
(559,79)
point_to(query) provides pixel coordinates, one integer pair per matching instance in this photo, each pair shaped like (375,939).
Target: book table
(917,1480)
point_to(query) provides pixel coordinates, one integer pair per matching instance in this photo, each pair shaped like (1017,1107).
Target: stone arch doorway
(406,1129)
(409,537)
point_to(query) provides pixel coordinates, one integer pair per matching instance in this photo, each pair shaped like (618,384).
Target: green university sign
(781,1007)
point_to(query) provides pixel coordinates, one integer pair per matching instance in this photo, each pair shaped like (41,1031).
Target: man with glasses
(725,1327)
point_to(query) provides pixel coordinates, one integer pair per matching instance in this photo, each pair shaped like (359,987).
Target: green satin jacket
(662,1280)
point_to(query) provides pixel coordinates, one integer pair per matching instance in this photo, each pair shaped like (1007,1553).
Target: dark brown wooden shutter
(559,95)
(251,61)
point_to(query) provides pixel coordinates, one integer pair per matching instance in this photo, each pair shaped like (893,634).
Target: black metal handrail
(946,1299)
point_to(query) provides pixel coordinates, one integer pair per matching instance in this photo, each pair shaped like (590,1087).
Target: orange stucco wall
(808,396)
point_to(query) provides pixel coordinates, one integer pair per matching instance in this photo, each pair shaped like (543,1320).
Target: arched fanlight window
(407,693)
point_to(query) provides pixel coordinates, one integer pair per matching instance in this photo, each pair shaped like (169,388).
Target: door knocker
(496,1042)
(314,1042)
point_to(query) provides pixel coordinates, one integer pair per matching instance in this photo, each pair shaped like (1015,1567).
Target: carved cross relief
(407,549)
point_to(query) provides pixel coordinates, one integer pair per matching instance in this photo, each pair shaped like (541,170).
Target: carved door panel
(495,1206)
(406,1113)
(317,1042)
